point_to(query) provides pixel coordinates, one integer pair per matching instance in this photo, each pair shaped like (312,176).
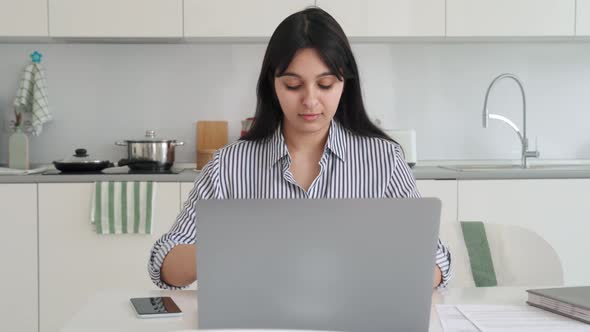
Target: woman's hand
(437,276)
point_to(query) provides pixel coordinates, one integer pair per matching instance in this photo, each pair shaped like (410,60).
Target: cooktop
(115,171)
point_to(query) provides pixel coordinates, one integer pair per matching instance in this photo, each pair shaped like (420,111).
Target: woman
(311,138)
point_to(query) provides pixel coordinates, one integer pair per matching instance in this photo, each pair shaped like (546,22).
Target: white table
(111,311)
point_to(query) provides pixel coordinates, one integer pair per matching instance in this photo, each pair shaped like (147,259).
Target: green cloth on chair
(480,257)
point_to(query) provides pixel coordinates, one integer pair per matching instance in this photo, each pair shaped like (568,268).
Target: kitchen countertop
(442,170)
(437,173)
(424,170)
(187,175)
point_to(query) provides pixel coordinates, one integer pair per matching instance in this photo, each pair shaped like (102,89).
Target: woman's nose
(310,99)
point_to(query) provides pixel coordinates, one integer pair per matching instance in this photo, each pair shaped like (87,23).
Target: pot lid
(81,156)
(150,137)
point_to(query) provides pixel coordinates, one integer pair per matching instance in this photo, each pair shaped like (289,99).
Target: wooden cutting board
(211,136)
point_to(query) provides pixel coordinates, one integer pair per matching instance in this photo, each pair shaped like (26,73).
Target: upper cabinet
(23,18)
(511,17)
(230,18)
(259,18)
(583,18)
(388,18)
(115,18)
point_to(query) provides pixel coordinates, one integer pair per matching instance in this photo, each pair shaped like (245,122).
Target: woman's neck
(301,142)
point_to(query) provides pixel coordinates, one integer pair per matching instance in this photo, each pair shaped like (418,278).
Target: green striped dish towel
(123,207)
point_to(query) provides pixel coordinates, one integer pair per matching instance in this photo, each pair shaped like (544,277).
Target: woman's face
(308,93)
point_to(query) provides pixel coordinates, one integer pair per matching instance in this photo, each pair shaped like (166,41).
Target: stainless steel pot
(149,153)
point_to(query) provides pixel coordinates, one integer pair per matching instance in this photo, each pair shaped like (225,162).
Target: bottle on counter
(18,150)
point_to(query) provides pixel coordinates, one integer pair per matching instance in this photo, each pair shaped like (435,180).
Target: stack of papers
(505,318)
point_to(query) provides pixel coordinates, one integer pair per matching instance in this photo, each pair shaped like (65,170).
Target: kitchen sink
(517,168)
(565,167)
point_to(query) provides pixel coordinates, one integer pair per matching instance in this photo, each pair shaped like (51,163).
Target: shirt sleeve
(184,229)
(403,184)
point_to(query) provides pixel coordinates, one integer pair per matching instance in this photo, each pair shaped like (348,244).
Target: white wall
(101,93)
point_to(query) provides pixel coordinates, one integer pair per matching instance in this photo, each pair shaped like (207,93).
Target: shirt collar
(337,140)
(336,143)
(277,146)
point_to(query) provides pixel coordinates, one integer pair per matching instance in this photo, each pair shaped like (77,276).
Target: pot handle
(121,143)
(177,143)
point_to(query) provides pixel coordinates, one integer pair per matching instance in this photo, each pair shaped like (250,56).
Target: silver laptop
(335,265)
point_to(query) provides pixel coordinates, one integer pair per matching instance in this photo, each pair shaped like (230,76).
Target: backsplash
(101,93)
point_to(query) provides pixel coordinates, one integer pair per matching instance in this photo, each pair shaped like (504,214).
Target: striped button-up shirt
(351,166)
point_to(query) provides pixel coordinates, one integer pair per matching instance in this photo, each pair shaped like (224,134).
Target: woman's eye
(296,87)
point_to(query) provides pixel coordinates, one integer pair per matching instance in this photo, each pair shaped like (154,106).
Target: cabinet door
(23,18)
(115,18)
(388,18)
(510,17)
(230,18)
(18,254)
(583,18)
(556,209)
(446,191)
(75,262)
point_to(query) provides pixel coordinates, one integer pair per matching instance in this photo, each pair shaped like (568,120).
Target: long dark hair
(310,28)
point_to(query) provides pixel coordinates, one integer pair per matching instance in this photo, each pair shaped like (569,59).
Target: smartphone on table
(153,307)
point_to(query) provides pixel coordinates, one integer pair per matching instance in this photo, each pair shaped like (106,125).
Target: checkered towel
(31,97)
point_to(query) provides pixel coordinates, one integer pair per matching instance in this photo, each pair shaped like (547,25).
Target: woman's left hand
(437,276)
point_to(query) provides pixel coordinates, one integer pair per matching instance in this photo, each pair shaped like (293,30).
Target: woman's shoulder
(379,144)
(236,146)
(238,150)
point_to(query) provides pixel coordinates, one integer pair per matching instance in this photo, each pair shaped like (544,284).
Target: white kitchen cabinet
(583,18)
(388,18)
(115,18)
(446,191)
(75,262)
(230,18)
(556,209)
(23,18)
(18,254)
(510,17)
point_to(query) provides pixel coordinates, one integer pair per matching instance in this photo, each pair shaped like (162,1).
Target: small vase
(18,150)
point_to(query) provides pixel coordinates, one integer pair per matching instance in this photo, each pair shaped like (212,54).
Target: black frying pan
(83,165)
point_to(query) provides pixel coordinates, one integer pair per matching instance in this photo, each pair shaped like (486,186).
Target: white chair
(520,256)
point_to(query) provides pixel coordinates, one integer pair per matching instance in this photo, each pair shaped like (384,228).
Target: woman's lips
(310,117)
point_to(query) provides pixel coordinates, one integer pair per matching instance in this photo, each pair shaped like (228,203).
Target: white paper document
(452,320)
(521,318)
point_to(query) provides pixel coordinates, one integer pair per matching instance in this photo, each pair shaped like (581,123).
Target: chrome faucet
(525,153)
